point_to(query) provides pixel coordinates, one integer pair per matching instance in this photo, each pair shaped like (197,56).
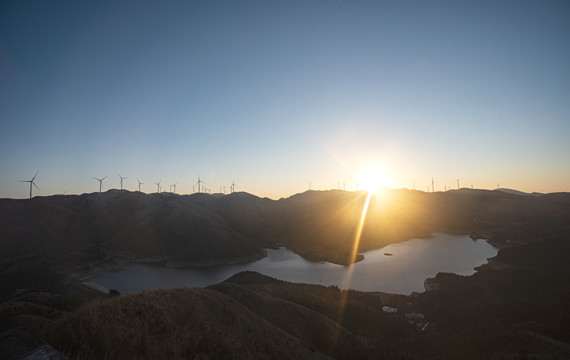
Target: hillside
(515,307)
(247,316)
(50,238)
(202,230)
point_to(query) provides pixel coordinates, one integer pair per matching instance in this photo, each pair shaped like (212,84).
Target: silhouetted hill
(201,229)
(516,192)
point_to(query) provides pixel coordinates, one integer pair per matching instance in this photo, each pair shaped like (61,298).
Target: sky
(277,96)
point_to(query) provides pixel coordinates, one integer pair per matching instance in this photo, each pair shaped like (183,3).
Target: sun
(371,179)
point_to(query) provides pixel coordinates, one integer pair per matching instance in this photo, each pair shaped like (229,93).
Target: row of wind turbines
(172,187)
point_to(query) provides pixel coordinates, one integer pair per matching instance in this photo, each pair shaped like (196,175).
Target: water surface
(403,272)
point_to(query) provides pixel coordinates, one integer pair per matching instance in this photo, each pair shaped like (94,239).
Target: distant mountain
(201,229)
(516,192)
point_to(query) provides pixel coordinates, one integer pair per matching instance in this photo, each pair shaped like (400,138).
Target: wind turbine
(100,182)
(157,186)
(121,180)
(432,185)
(457,184)
(31,183)
(199,182)
(140,183)
(233,186)
(173,187)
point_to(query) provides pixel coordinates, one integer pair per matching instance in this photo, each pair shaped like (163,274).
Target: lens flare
(356,242)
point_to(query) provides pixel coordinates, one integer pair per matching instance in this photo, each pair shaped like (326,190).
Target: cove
(398,268)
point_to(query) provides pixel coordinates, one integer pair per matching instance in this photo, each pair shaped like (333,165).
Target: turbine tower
(233,186)
(457,184)
(140,183)
(122,178)
(100,182)
(432,185)
(157,186)
(199,182)
(31,183)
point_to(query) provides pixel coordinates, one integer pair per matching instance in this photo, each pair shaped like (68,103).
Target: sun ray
(354,252)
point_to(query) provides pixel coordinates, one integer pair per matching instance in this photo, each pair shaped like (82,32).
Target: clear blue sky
(277,94)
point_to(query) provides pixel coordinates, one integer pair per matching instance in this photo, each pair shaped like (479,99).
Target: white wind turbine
(122,180)
(100,182)
(140,183)
(199,182)
(31,183)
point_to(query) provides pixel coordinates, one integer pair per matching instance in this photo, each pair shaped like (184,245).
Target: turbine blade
(35,176)
(35,185)
(103,178)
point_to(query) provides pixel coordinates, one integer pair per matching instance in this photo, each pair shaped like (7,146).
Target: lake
(402,272)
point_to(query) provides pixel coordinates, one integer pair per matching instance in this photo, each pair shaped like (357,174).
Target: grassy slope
(249,316)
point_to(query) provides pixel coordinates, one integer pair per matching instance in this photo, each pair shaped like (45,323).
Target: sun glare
(371,179)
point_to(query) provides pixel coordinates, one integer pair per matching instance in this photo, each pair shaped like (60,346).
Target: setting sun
(371,179)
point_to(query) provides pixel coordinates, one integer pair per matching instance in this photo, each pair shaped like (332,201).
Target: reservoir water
(402,272)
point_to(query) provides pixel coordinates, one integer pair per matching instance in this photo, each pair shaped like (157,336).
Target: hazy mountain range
(201,229)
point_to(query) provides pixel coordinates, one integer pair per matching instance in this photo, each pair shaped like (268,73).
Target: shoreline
(119,262)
